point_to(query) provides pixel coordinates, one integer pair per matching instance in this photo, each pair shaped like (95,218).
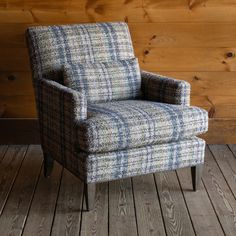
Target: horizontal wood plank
(150,58)
(148,34)
(104,10)
(221,131)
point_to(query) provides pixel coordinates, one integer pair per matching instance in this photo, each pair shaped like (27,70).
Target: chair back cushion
(52,46)
(105,81)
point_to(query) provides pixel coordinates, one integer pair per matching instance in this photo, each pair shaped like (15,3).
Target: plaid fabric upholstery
(53,46)
(63,111)
(133,123)
(163,89)
(143,160)
(105,81)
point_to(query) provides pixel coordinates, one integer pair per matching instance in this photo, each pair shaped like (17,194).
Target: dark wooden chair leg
(90,189)
(48,165)
(196,172)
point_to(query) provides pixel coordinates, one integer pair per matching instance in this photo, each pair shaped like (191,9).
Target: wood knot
(230,54)
(11,77)
(153,37)
(196,78)
(146,52)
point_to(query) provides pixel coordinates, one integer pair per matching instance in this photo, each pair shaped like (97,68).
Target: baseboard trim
(19,131)
(26,131)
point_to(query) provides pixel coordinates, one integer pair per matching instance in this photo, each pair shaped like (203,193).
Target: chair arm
(160,88)
(59,110)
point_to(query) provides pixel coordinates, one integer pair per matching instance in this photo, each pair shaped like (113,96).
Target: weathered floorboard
(69,206)
(148,211)
(122,220)
(17,206)
(95,222)
(176,217)
(227,164)
(159,204)
(3,149)
(220,194)
(202,213)
(41,213)
(9,168)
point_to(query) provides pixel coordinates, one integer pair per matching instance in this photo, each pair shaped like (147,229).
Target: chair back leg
(48,165)
(89,191)
(196,172)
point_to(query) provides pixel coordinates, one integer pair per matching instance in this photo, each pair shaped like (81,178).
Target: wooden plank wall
(194,40)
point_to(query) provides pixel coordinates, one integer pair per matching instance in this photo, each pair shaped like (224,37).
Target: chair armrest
(60,109)
(160,88)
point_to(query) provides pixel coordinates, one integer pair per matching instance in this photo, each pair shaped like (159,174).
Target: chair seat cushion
(134,123)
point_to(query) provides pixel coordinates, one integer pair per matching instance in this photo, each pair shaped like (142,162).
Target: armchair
(139,127)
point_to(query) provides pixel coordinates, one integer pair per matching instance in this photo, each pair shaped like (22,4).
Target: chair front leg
(90,190)
(196,172)
(48,165)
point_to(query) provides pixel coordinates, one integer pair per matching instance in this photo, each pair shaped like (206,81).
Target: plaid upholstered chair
(103,118)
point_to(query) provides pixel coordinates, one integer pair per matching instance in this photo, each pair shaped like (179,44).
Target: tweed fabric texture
(164,89)
(53,46)
(134,123)
(105,81)
(143,160)
(61,109)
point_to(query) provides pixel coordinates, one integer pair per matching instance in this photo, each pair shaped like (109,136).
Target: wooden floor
(160,204)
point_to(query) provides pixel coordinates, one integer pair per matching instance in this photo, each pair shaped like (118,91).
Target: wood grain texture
(221,131)
(41,213)
(221,196)
(16,209)
(148,211)
(69,206)
(3,149)
(95,222)
(191,40)
(121,208)
(10,165)
(227,163)
(199,205)
(210,211)
(173,205)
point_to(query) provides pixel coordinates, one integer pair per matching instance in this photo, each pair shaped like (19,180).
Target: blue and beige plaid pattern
(148,159)
(63,112)
(53,46)
(164,89)
(105,81)
(134,123)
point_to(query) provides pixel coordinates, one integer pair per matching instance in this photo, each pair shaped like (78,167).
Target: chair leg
(48,165)
(89,190)
(196,172)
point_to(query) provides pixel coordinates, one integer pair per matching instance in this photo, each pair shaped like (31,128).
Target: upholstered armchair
(103,118)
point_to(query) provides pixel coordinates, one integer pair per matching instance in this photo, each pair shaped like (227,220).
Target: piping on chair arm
(160,88)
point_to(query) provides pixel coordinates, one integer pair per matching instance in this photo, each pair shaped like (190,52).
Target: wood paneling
(191,40)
